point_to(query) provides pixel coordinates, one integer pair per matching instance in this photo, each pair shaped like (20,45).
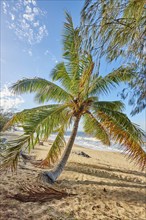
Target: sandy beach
(106,186)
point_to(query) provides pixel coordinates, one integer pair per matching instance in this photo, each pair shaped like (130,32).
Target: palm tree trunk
(52,175)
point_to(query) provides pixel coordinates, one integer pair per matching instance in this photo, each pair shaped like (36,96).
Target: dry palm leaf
(37,193)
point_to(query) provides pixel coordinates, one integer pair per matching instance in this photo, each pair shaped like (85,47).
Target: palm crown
(78,96)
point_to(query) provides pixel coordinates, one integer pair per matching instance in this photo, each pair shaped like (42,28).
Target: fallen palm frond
(37,193)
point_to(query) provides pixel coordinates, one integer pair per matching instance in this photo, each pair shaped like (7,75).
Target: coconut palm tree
(77,94)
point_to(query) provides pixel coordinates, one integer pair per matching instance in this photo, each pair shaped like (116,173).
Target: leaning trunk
(52,175)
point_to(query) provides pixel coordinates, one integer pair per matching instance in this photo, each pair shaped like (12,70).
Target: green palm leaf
(44,90)
(112,105)
(20,117)
(72,44)
(93,127)
(56,147)
(11,154)
(59,73)
(87,70)
(39,125)
(100,85)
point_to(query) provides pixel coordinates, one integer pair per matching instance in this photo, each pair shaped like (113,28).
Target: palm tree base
(46,177)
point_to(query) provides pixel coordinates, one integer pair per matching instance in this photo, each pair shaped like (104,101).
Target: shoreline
(98,146)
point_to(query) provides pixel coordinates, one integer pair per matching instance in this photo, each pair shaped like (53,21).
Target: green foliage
(114,29)
(114,105)
(56,147)
(118,26)
(78,96)
(20,117)
(44,90)
(105,84)
(93,127)
(59,73)
(11,154)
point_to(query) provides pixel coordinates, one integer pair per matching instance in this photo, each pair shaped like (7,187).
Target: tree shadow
(104,172)
(103,183)
(120,192)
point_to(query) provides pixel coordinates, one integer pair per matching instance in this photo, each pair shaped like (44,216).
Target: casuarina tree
(116,29)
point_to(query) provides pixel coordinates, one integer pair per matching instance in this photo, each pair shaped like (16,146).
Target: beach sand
(106,186)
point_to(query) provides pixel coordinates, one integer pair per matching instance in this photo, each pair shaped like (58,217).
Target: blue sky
(31,35)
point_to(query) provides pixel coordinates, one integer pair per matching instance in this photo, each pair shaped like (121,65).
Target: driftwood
(28,158)
(81,153)
(37,193)
(41,143)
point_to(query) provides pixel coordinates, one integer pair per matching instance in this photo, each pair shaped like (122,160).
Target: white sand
(107,186)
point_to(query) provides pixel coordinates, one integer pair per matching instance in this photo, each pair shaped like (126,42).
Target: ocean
(87,141)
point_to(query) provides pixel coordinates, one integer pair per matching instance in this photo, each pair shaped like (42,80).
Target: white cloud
(36,10)
(5,7)
(28,9)
(33,2)
(13,17)
(26,2)
(29,17)
(26,19)
(36,24)
(8,100)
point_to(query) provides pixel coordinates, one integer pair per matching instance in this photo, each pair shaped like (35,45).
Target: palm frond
(44,90)
(87,69)
(20,117)
(99,85)
(72,43)
(113,105)
(56,147)
(124,132)
(39,125)
(11,154)
(93,127)
(59,73)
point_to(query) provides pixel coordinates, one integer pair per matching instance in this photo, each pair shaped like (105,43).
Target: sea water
(87,141)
